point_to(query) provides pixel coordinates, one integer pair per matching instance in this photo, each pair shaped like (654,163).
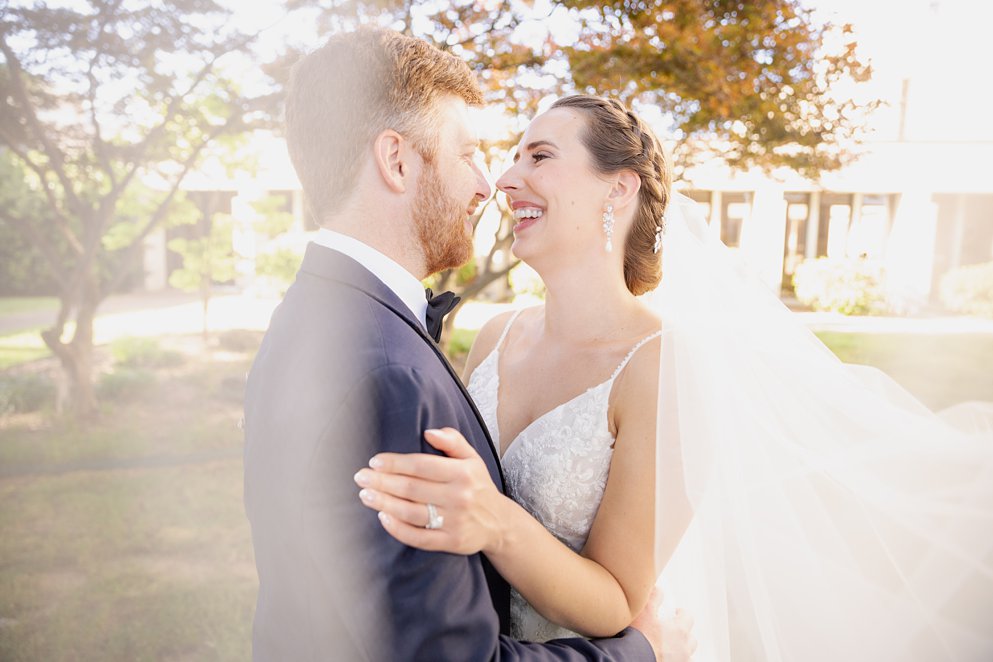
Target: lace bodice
(556,468)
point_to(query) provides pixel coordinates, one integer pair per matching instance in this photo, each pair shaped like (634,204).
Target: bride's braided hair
(618,140)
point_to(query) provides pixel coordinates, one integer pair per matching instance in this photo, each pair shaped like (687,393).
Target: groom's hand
(466,503)
(671,637)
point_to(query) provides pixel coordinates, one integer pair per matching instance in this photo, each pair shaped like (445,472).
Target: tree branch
(170,112)
(62,223)
(99,145)
(160,212)
(56,158)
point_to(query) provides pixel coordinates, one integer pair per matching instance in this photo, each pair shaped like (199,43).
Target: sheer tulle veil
(834,517)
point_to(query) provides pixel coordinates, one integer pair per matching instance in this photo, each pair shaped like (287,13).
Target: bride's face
(556,196)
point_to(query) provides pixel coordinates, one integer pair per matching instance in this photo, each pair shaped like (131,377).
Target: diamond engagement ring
(435,521)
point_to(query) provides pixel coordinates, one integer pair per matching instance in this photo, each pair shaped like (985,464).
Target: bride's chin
(519,249)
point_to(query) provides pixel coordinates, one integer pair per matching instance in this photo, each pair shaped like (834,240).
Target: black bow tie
(438,307)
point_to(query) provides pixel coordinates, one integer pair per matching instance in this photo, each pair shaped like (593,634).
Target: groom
(378,131)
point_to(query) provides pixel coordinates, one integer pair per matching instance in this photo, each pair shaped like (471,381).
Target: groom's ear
(389,151)
(624,190)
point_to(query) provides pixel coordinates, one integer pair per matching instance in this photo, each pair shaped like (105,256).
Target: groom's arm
(397,602)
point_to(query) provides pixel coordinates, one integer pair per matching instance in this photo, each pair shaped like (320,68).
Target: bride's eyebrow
(535,145)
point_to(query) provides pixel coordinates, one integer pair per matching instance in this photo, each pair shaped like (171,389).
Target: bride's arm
(595,593)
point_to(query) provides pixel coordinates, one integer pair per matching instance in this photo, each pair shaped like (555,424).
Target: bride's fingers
(415,536)
(418,465)
(403,487)
(450,442)
(415,514)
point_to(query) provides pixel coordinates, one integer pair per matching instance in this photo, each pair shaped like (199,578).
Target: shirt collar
(403,283)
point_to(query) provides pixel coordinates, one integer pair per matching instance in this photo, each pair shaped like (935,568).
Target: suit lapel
(332,265)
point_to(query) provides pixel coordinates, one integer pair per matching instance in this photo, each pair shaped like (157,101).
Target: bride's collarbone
(535,382)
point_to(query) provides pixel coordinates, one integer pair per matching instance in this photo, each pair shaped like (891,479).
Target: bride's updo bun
(618,140)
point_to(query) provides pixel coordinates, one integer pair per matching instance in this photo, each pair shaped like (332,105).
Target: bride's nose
(509,180)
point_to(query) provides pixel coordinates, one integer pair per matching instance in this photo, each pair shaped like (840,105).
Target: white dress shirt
(403,283)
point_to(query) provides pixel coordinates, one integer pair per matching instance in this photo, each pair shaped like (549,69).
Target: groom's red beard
(438,218)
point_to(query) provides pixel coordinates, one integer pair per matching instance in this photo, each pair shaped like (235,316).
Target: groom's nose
(483,189)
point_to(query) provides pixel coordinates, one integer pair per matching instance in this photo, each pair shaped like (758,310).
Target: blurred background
(150,221)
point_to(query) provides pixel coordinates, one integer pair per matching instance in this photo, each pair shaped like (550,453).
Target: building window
(832,231)
(735,209)
(795,240)
(867,237)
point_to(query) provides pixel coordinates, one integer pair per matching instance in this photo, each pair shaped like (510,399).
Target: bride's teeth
(527,212)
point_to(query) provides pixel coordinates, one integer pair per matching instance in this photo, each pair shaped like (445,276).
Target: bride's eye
(540,156)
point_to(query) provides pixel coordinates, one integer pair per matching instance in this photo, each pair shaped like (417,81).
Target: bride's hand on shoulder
(468,507)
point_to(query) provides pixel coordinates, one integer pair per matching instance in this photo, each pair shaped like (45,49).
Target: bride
(798,508)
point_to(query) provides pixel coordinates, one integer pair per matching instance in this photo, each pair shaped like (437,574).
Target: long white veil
(834,517)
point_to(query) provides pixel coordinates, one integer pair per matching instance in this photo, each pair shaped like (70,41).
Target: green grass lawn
(15,305)
(126,539)
(22,347)
(941,370)
(112,560)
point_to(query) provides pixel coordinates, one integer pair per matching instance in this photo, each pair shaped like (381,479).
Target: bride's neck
(585,308)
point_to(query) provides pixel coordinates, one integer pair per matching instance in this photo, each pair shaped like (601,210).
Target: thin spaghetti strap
(506,328)
(632,352)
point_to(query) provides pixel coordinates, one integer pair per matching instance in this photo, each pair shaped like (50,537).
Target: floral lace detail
(556,469)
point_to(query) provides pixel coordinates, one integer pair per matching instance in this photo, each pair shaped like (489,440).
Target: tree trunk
(468,293)
(76,356)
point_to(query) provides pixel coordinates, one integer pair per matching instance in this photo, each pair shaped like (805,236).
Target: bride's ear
(624,191)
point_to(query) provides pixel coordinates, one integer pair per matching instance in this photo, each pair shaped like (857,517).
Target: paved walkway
(118,303)
(166,313)
(157,314)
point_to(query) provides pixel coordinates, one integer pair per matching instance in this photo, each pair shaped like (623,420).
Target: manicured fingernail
(376,463)
(367,495)
(384,518)
(362,478)
(433,431)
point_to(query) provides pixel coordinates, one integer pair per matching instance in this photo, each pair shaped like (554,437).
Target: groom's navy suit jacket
(346,371)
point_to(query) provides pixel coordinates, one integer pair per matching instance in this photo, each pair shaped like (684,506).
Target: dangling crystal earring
(608,226)
(658,239)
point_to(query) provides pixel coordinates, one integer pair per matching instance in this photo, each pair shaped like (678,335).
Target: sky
(941,47)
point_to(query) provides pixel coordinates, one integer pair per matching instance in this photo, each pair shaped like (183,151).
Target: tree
(277,264)
(754,77)
(101,99)
(22,268)
(747,82)
(207,259)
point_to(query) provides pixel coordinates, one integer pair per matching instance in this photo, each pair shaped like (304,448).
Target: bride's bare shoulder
(637,387)
(486,340)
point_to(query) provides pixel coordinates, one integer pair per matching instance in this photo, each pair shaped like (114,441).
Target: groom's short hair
(357,85)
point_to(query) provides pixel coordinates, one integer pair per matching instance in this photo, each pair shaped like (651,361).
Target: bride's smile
(526,213)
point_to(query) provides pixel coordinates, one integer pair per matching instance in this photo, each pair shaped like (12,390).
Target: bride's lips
(527,214)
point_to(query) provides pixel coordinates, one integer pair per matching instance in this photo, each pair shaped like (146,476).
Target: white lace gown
(556,469)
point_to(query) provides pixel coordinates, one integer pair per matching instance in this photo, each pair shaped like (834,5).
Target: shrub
(239,340)
(525,282)
(124,383)
(143,353)
(461,341)
(278,267)
(24,393)
(969,290)
(848,286)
